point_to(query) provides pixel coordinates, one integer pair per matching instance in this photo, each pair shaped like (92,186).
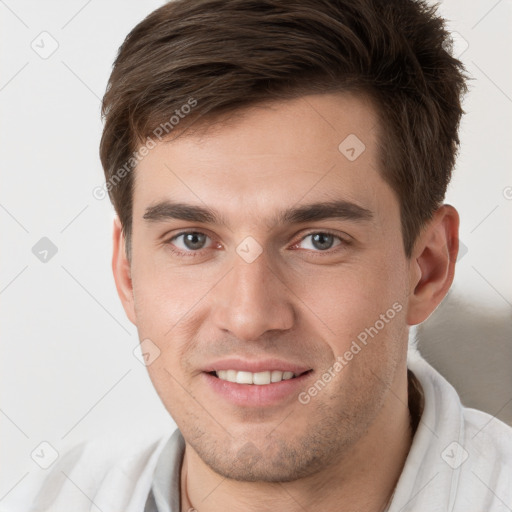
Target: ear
(122,271)
(432,264)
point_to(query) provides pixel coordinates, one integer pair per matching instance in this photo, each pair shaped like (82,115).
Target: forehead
(310,149)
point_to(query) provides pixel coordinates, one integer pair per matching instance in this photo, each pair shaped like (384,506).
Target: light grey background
(68,367)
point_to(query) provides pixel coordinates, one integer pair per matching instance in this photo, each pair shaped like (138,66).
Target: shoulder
(482,429)
(485,459)
(109,472)
(463,455)
(488,442)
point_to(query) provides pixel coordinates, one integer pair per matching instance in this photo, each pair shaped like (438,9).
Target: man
(278,169)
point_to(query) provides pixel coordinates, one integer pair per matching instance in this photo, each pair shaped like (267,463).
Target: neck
(363,480)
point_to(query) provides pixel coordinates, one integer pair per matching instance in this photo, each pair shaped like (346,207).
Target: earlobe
(432,266)
(121,269)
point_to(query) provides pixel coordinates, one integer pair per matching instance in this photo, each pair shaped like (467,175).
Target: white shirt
(460,461)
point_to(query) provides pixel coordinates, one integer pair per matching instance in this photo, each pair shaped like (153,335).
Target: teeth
(244,377)
(277,376)
(223,374)
(260,378)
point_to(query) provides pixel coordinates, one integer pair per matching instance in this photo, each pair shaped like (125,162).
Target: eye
(190,241)
(320,241)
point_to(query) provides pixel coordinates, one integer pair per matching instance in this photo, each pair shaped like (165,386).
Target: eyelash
(193,254)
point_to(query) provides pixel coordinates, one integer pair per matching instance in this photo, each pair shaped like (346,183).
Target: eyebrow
(340,209)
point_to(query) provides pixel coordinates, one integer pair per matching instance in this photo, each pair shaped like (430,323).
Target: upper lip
(255,366)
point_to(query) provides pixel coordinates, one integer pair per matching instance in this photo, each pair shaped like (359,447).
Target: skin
(296,301)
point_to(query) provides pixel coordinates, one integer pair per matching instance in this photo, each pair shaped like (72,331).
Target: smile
(259,378)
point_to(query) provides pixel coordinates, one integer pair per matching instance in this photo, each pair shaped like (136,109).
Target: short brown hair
(224,55)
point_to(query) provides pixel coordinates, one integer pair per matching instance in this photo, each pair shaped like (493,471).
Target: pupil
(194,240)
(322,240)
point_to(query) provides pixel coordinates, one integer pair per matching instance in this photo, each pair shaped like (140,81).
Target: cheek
(164,295)
(351,298)
(169,308)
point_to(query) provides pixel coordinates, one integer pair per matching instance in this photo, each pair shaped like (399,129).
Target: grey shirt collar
(164,495)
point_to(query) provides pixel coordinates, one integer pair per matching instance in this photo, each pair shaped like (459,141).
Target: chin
(275,461)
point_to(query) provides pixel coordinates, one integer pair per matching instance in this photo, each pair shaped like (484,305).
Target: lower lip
(252,395)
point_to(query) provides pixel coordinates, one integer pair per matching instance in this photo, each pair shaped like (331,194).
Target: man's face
(255,290)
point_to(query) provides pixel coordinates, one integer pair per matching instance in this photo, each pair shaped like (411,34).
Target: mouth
(257,383)
(262,378)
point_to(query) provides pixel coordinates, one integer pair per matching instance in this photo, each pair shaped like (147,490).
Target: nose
(251,300)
